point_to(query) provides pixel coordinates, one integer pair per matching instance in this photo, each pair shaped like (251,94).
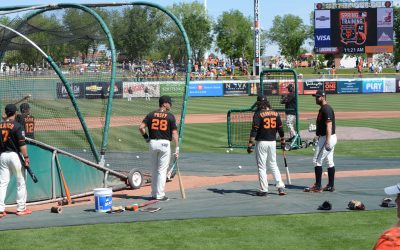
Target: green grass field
(341,230)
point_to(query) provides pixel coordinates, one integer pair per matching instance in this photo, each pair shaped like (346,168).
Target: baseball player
(26,120)
(12,142)
(326,144)
(290,105)
(266,123)
(161,125)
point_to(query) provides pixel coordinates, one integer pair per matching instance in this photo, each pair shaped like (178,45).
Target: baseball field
(230,218)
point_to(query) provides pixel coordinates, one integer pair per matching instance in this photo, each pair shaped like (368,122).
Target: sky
(268,9)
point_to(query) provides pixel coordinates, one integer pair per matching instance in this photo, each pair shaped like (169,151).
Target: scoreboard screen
(368,30)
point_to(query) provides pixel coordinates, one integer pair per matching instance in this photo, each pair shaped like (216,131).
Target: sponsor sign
(330,87)
(172,88)
(322,19)
(390,85)
(379,49)
(138,89)
(322,38)
(102,90)
(349,86)
(397,85)
(205,89)
(271,87)
(384,17)
(236,88)
(384,36)
(77,89)
(310,87)
(372,85)
(284,83)
(327,50)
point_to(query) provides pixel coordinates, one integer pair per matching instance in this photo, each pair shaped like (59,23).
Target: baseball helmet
(261,98)
(23,107)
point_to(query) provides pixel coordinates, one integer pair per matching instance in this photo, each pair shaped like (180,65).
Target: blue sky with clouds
(268,8)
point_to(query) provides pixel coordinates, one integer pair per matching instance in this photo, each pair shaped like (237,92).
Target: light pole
(257,58)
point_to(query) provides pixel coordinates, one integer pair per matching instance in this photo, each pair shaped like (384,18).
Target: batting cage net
(274,84)
(151,60)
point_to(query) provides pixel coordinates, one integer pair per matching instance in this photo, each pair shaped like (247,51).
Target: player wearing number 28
(161,126)
(266,123)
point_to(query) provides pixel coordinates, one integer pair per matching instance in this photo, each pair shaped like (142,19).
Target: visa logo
(323,37)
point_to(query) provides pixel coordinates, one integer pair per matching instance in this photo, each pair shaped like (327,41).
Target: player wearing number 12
(161,125)
(266,123)
(26,120)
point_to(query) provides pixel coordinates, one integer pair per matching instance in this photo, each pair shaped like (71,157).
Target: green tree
(396,29)
(136,31)
(289,33)
(198,27)
(234,35)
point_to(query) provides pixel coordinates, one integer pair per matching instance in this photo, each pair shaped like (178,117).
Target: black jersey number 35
(269,122)
(157,124)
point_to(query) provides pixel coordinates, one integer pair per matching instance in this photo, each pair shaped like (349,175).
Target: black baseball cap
(261,98)
(24,106)
(10,109)
(319,93)
(165,99)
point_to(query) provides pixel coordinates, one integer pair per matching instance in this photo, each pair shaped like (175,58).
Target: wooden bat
(182,189)
(23,99)
(286,167)
(66,189)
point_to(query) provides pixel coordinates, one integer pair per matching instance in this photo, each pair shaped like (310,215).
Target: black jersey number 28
(269,122)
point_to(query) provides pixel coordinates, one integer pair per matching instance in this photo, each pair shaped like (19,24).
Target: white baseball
(84,150)
(227,151)
(239,166)
(137,156)
(108,164)
(119,140)
(231,149)
(325,173)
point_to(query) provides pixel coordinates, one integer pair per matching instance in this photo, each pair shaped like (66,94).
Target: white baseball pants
(321,155)
(290,119)
(266,156)
(160,153)
(9,162)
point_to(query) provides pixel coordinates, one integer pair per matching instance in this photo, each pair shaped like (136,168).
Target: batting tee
(273,84)
(83,119)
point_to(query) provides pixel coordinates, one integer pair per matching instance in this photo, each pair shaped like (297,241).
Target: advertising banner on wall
(172,88)
(271,87)
(349,86)
(283,84)
(94,90)
(310,87)
(372,86)
(390,85)
(138,89)
(330,87)
(205,89)
(77,88)
(236,88)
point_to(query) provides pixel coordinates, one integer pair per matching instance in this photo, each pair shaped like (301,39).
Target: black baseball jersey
(290,103)
(11,136)
(28,124)
(325,114)
(160,125)
(265,125)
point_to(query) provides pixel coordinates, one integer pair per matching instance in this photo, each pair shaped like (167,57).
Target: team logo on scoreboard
(353,27)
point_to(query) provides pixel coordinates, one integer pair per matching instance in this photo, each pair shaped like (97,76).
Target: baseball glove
(356,205)
(387,202)
(325,206)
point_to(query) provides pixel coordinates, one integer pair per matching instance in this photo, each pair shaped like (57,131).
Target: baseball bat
(286,167)
(66,189)
(182,189)
(30,172)
(23,99)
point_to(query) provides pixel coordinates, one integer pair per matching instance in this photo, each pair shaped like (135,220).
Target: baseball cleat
(25,212)
(313,189)
(260,193)
(281,191)
(328,189)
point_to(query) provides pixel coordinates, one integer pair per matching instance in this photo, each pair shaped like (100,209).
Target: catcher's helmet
(23,107)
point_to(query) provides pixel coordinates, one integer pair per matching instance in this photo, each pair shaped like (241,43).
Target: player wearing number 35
(161,126)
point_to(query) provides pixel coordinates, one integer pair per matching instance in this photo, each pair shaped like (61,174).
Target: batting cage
(89,74)
(278,86)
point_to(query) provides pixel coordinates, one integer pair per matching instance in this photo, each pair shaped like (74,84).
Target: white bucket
(102,199)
